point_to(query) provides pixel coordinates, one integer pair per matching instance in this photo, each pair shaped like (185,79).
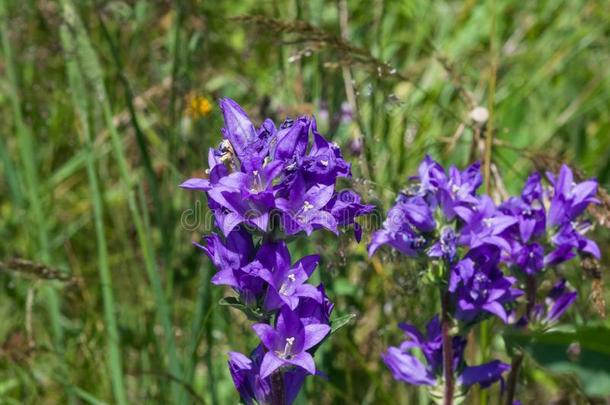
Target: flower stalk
(448,379)
(278,396)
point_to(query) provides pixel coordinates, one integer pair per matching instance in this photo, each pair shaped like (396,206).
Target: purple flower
(459,188)
(528,238)
(405,366)
(233,259)
(529,258)
(484,374)
(287,283)
(479,286)
(569,199)
(252,389)
(288,342)
(405,226)
(413,222)
(571,237)
(303,210)
(291,141)
(248,197)
(446,246)
(431,176)
(253,175)
(345,206)
(557,302)
(324,162)
(256,171)
(313,311)
(250,146)
(484,224)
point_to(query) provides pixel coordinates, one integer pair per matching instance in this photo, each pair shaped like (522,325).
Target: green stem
(512,378)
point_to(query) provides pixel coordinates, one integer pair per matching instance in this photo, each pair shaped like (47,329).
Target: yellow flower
(197,106)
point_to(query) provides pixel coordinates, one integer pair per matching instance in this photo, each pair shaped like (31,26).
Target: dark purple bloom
(287,283)
(345,206)
(248,197)
(405,366)
(559,299)
(256,171)
(431,175)
(446,246)
(324,162)
(459,188)
(530,251)
(291,141)
(557,302)
(288,342)
(405,226)
(484,374)
(252,389)
(529,258)
(304,209)
(571,237)
(254,174)
(232,257)
(484,224)
(569,199)
(312,311)
(478,285)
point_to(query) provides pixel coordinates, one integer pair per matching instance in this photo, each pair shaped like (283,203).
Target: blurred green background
(107,106)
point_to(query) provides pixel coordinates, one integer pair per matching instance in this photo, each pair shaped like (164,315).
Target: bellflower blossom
(549,231)
(442,219)
(413,226)
(479,286)
(256,174)
(407,367)
(470,244)
(264,185)
(252,388)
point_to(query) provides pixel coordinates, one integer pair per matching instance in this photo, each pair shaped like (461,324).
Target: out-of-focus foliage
(138,76)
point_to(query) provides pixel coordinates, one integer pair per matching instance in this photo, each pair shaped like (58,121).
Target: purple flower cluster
(266,185)
(272,177)
(476,242)
(543,237)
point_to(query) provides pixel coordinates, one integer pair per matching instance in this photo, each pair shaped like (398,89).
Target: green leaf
(583,352)
(340,322)
(231,302)
(253,314)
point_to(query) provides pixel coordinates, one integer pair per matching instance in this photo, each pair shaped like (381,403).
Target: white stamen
(287,348)
(324,162)
(307,206)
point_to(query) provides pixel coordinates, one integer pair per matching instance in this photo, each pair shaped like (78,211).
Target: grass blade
(80,103)
(92,71)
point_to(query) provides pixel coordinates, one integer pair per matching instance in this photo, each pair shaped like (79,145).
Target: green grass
(95,138)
